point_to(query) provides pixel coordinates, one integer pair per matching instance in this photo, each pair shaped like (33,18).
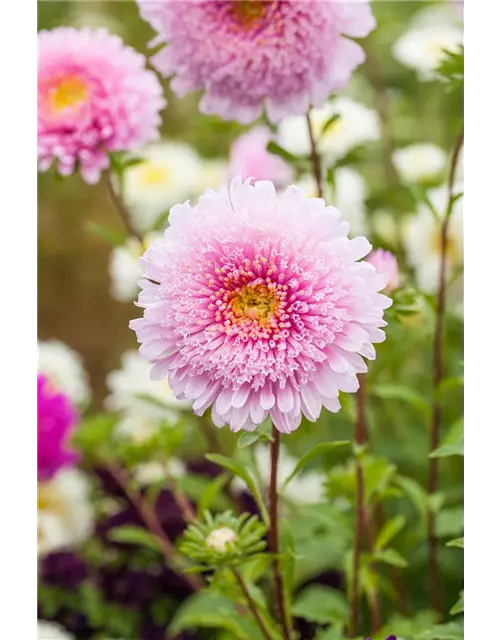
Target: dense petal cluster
(281,56)
(256,303)
(386,265)
(94,95)
(56,419)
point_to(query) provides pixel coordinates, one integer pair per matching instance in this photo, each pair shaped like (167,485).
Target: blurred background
(73,283)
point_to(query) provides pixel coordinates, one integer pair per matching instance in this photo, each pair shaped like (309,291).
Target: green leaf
(330,122)
(448,450)
(450,631)
(450,522)
(316,451)
(92,604)
(240,471)
(453,443)
(247,439)
(210,493)
(415,493)
(390,556)
(321,605)
(457,542)
(390,529)
(395,391)
(458,607)
(111,237)
(134,535)
(285,155)
(209,610)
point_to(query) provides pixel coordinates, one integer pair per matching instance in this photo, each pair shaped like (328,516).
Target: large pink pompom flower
(281,55)
(94,95)
(56,419)
(256,303)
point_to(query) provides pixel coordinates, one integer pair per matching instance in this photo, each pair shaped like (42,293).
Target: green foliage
(135,535)
(321,605)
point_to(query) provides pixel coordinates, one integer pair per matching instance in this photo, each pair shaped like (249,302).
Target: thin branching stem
(252,605)
(120,207)
(315,159)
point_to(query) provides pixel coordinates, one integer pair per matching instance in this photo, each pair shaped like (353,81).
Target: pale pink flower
(250,158)
(386,265)
(94,95)
(281,56)
(255,303)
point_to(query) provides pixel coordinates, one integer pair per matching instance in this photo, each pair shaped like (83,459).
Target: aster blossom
(247,56)
(94,96)
(56,419)
(386,264)
(255,303)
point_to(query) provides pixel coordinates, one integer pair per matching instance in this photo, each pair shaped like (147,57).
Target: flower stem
(120,207)
(153,525)
(251,604)
(432,483)
(315,159)
(273,533)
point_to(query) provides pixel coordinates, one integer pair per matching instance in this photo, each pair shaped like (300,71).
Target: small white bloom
(64,368)
(305,488)
(150,472)
(421,48)
(422,238)
(51,631)
(125,269)
(65,515)
(220,538)
(349,197)
(169,173)
(356,125)
(419,162)
(143,402)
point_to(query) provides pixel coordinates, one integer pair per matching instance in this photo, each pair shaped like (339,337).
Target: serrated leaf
(390,556)
(457,542)
(130,534)
(240,471)
(316,451)
(390,529)
(321,605)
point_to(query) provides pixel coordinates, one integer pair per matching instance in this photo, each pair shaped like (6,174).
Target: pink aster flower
(250,159)
(56,419)
(386,265)
(280,55)
(94,95)
(255,303)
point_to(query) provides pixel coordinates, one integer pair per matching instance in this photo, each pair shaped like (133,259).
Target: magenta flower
(249,55)
(94,95)
(255,303)
(56,419)
(386,265)
(250,159)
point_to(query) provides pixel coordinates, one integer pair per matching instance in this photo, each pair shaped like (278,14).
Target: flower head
(419,162)
(51,631)
(65,515)
(386,265)
(65,370)
(251,159)
(56,419)
(124,268)
(94,96)
(255,303)
(281,56)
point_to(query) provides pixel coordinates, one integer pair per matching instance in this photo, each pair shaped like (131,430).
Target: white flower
(419,162)
(356,125)
(149,472)
(421,47)
(422,238)
(170,173)
(65,515)
(143,402)
(349,197)
(125,269)
(51,631)
(305,488)
(218,539)
(64,368)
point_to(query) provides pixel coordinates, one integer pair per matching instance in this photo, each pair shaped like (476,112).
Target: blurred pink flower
(249,55)
(255,303)
(387,266)
(56,419)
(94,95)
(250,159)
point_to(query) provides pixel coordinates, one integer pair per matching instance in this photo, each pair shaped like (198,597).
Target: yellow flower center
(69,93)
(256,302)
(153,175)
(453,252)
(247,12)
